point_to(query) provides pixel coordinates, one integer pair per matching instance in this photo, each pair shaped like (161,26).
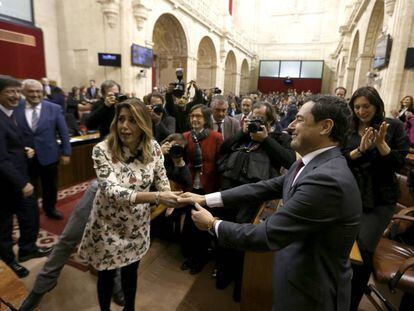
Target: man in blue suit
(40,120)
(16,191)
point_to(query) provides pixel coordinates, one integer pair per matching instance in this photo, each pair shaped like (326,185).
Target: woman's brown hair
(143,120)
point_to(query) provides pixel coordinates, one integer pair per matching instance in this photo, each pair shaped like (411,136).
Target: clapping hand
(367,140)
(380,135)
(201,217)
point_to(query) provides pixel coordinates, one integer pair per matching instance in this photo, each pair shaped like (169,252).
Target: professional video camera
(255,125)
(179,85)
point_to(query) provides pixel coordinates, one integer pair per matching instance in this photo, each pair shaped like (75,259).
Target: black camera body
(255,125)
(176,151)
(157,109)
(120,97)
(216,90)
(179,85)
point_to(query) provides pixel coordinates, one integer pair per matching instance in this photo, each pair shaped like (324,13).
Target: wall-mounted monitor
(383,52)
(108,59)
(409,58)
(141,56)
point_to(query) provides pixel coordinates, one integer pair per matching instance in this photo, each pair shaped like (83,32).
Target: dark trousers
(129,279)
(28,217)
(48,175)
(360,278)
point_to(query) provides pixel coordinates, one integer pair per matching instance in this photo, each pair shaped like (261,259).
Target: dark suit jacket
(13,163)
(230,127)
(312,233)
(43,140)
(89,93)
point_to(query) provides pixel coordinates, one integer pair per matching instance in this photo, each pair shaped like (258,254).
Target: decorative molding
(140,11)
(389,7)
(110,9)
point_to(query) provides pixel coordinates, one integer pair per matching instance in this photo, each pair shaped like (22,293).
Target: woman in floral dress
(117,234)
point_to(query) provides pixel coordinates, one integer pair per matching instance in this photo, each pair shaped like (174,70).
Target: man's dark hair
(334,108)
(270,113)
(248,98)
(206,114)
(8,81)
(155,95)
(107,84)
(92,80)
(374,98)
(340,88)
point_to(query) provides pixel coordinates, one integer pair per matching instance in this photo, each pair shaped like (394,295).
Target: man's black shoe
(55,214)
(119,298)
(40,252)
(31,302)
(20,271)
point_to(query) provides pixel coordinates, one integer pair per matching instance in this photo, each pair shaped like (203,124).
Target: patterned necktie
(219,127)
(300,165)
(35,119)
(13,119)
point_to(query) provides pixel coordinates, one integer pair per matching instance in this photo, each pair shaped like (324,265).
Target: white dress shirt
(215,200)
(29,112)
(8,112)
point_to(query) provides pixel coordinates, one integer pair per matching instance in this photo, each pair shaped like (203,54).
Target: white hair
(31,82)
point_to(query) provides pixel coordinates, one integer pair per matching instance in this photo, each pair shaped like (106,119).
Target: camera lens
(176,151)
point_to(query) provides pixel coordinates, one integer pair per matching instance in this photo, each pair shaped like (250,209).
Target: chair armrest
(403,217)
(406,211)
(407,264)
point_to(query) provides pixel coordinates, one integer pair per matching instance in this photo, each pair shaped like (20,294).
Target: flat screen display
(141,56)
(111,60)
(382,52)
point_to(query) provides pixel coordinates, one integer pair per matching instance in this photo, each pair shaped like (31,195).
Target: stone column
(401,31)
(237,78)
(363,65)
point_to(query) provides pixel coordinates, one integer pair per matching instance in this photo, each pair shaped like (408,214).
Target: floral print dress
(117,233)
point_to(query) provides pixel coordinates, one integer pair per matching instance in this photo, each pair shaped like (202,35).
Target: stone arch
(206,63)
(170,49)
(375,23)
(230,73)
(244,78)
(352,64)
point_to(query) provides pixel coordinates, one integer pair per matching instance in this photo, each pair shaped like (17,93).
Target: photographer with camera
(253,154)
(162,124)
(176,101)
(103,111)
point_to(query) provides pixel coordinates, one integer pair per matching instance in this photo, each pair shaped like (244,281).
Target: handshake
(202,218)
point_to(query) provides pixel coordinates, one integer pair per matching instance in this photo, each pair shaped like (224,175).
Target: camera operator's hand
(260,135)
(156,118)
(178,162)
(194,84)
(110,99)
(165,148)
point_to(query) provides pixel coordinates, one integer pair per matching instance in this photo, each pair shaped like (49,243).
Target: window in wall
(289,69)
(311,69)
(18,10)
(269,68)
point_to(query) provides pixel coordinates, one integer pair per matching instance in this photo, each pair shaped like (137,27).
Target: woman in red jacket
(202,152)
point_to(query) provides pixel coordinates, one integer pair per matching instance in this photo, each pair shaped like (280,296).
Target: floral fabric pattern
(117,233)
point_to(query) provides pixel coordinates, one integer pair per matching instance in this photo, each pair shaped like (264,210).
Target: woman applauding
(117,235)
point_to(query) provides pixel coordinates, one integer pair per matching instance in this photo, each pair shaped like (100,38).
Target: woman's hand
(367,140)
(169,198)
(380,142)
(165,148)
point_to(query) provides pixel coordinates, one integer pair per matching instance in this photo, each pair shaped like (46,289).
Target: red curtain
(268,85)
(22,51)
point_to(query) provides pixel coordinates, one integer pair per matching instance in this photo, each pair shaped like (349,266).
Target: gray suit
(312,233)
(231,127)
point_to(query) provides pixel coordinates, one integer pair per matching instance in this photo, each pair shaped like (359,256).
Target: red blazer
(210,146)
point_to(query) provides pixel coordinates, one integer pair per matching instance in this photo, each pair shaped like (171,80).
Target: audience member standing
(40,120)
(162,124)
(376,150)
(92,92)
(16,191)
(246,106)
(222,123)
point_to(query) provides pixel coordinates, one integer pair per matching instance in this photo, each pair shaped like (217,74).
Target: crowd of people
(332,161)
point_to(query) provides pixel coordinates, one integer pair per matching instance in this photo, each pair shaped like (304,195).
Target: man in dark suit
(246,106)
(223,123)
(92,91)
(314,231)
(16,191)
(40,120)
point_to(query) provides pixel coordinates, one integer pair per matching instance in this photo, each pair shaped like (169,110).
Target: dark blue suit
(13,177)
(48,152)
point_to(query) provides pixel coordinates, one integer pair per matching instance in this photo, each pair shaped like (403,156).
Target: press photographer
(103,111)
(162,124)
(177,104)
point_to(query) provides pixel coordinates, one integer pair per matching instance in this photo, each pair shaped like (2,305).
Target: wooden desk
(80,168)
(12,288)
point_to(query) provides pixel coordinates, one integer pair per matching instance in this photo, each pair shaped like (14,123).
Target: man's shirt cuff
(214,199)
